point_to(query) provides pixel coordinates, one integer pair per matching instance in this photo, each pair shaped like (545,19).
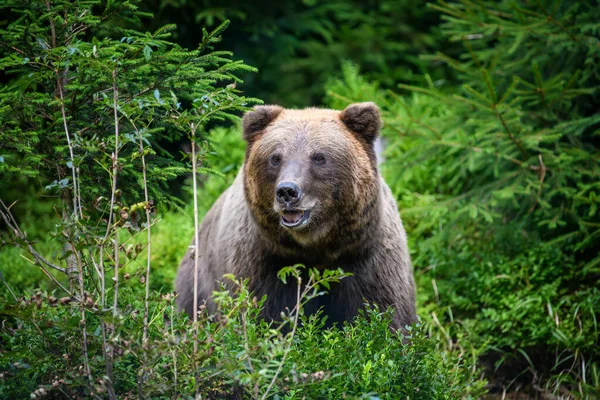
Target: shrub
(81,113)
(83,117)
(238,353)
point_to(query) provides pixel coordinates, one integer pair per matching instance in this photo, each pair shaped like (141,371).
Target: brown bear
(309,193)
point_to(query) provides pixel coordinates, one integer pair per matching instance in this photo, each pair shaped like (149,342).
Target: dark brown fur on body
(352,220)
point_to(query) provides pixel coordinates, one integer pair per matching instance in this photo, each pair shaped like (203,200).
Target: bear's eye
(275,160)
(319,158)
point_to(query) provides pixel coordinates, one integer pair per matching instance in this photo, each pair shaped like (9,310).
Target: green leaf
(147,52)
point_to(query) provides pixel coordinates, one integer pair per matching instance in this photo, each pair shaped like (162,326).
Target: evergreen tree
(84,109)
(69,89)
(498,180)
(86,105)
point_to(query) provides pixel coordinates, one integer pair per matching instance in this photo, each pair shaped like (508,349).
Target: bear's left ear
(363,119)
(256,120)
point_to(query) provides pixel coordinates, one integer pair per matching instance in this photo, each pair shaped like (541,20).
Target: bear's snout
(288,193)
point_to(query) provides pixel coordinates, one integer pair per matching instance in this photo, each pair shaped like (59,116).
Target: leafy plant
(238,353)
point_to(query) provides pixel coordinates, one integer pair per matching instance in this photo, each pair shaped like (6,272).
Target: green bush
(171,235)
(497,181)
(237,353)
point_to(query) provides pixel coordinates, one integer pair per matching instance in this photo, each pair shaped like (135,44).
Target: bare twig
(9,289)
(247,348)
(59,83)
(196,246)
(86,360)
(542,169)
(9,220)
(108,349)
(52,28)
(292,335)
(96,268)
(115,160)
(148,209)
(174,353)
(78,175)
(60,78)
(41,261)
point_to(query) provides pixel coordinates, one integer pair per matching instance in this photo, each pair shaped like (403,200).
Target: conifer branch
(551,19)
(6,45)
(82,92)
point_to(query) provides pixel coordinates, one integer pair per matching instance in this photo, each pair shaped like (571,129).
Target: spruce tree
(498,179)
(84,111)
(517,165)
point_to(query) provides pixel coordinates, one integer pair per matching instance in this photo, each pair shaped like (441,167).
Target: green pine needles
(498,179)
(57,111)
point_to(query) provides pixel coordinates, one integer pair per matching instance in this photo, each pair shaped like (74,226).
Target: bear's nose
(287,193)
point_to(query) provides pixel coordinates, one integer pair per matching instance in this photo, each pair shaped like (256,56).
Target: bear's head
(310,175)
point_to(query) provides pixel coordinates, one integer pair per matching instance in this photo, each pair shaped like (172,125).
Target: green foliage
(370,361)
(171,233)
(74,101)
(496,171)
(496,179)
(67,83)
(300,44)
(364,360)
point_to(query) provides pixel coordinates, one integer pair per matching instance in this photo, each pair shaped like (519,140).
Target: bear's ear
(256,120)
(363,119)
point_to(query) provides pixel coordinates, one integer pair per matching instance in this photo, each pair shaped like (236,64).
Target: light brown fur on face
(296,135)
(324,162)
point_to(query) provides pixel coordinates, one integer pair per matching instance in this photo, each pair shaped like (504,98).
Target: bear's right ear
(256,120)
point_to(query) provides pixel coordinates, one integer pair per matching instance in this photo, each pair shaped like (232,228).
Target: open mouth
(294,218)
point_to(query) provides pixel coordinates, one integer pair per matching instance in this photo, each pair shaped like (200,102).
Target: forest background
(110,117)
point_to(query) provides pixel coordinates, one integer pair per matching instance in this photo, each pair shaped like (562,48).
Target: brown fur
(354,222)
